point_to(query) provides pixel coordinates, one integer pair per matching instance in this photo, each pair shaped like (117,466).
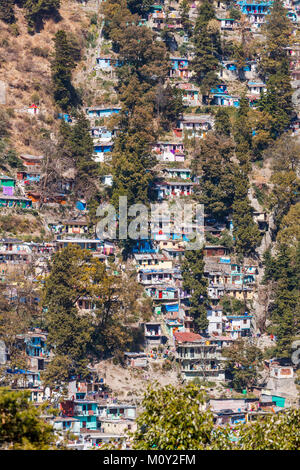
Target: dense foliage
(195,283)
(22,427)
(176,419)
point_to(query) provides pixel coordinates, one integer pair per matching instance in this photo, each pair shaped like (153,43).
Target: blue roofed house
(256,88)
(102,151)
(107,63)
(229,70)
(221,97)
(95,112)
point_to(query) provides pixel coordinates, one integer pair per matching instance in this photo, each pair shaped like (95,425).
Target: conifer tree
(222,122)
(245,230)
(284,271)
(187,25)
(141,7)
(207,45)
(83,148)
(274,67)
(195,283)
(212,162)
(65,57)
(243,135)
(69,332)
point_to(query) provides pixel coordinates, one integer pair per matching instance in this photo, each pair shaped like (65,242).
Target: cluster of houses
(88,413)
(158,266)
(90,416)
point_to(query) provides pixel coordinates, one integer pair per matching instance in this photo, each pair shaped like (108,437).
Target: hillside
(25,72)
(149,218)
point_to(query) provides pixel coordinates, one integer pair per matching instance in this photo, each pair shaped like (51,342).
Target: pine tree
(207,46)
(65,57)
(243,135)
(141,7)
(222,122)
(212,162)
(245,230)
(285,309)
(69,332)
(274,67)
(195,283)
(83,149)
(277,102)
(278,36)
(187,25)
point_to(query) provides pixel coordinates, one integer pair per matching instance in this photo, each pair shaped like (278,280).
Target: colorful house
(229,70)
(158,260)
(29,176)
(199,357)
(86,411)
(169,151)
(178,173)
(15,201)
(194,125)
(216,322)
(36,349)
(33,109)
(107,63)
(103,134)
(174,326)
(238,326)
(221,97)
(157,276)
(7,185)
(101,149)
(65,117)
(101,111)
(67,424)
(190,94)
(180,67)
(162,293)
(75,227)
(171,190)
(227,24)
(256,88)
(256,11)
(55,198)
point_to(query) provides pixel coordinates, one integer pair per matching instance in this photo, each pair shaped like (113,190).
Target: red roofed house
(199,357)
(33,109)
